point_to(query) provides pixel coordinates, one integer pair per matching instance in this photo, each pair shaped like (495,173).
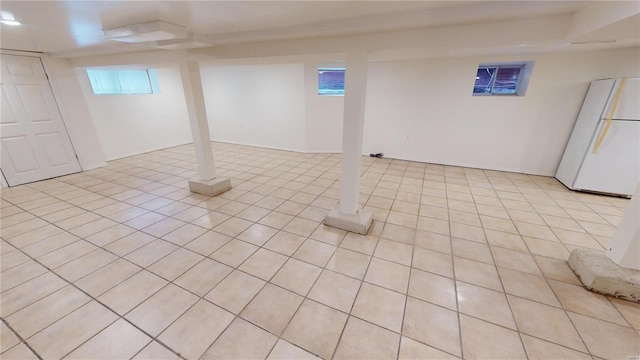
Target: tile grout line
(411,272)
(553,292)
(279,336)
(559,302)
(22,341)
(504,290)
(328,187)
(143,268)
(359,286)
(69,283)
(453,268)
(237,316)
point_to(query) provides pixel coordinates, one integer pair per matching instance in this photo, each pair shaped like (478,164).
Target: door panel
(34,102)
(56,155)
(8,115)
(20,154)
(34,142)
(17,69)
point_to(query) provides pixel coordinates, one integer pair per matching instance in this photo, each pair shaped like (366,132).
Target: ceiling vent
(145,32)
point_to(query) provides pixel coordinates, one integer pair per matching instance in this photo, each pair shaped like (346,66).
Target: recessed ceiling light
(10,22)
(9,19)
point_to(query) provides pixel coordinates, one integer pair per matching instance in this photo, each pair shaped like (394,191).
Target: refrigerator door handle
(609,119)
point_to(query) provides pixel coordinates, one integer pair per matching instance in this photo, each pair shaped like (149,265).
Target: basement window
(502,79)
(126,82)
(331,82)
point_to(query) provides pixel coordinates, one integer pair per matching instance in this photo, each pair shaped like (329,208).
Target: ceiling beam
(443,40)
(600,14)
(143,59)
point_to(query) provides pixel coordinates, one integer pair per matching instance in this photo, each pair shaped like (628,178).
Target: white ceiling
(70,28)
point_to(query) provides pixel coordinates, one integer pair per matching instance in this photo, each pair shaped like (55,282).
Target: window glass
(122,81)
(506,81)
(484,80)
(501,79)
(330,81)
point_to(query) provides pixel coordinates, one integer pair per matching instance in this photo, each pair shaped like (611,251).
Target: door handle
(609,120)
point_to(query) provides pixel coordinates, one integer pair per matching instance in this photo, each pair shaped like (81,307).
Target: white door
(34,142)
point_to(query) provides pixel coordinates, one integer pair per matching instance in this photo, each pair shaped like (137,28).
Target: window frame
(152,78)
(526,68)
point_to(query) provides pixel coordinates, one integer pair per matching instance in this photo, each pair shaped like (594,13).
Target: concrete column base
(598,273)
(211,187)
(358,223)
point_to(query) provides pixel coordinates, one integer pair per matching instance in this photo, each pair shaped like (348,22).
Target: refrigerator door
(583,130)
(629,104)
(615,168)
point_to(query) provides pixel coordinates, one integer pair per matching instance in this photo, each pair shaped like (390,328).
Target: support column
(348,216)
(616,272)
(206,182)
(625,245)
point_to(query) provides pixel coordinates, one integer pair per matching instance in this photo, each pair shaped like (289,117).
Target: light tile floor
(124,262)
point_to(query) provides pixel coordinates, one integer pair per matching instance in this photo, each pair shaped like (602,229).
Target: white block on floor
(211,187)
(598,273)
(358,223)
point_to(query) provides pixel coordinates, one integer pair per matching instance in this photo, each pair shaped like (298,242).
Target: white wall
(420,110)
(423,110)
(133,124)
(260,105)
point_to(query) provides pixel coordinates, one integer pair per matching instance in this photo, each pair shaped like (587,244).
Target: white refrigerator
(614,168)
